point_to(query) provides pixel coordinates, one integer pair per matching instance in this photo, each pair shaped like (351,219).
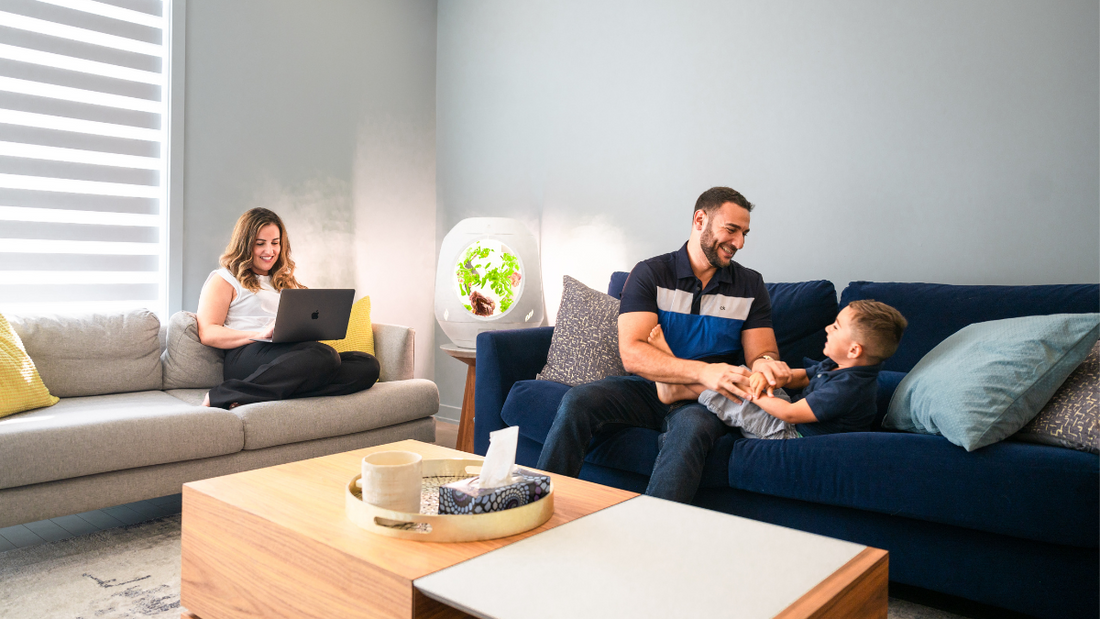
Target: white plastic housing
(526,310)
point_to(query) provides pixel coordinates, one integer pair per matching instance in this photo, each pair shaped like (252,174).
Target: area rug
(125,573)
(134,573)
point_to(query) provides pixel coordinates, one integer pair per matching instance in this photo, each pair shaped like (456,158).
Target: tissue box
(465,497)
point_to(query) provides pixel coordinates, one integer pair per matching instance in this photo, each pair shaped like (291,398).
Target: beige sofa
(130,425)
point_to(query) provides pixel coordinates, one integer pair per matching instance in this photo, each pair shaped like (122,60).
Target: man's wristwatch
(768,357)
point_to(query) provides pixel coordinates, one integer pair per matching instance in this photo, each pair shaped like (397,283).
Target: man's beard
(710,249)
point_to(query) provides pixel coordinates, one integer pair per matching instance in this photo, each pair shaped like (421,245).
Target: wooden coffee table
(276,542)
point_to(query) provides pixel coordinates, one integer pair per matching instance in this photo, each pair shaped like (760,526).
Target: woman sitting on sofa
(238,303)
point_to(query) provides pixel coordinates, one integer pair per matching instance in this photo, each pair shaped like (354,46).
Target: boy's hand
(776,372)
(758,383)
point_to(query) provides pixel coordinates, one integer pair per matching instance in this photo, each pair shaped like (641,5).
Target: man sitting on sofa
(711,309)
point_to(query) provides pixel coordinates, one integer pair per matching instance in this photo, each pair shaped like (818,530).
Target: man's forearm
(650,363)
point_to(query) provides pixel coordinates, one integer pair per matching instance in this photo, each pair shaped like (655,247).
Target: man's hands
(731,381)
(646,353)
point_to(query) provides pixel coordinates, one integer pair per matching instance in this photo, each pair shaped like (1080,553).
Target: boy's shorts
(753,421)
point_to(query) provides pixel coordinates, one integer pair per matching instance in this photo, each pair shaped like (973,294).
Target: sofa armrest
(394,346)
(504,357)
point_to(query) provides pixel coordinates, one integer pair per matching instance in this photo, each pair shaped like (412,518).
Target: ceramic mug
(391,480)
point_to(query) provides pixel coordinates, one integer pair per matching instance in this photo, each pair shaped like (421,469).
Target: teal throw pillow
(989,379)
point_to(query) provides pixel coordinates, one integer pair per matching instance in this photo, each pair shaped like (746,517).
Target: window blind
(83,204)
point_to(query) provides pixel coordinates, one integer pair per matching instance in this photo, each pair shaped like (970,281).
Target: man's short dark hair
(715,197)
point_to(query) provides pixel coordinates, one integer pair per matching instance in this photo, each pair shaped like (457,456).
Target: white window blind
(83,134)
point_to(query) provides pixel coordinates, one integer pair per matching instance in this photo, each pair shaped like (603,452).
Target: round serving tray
(446,528)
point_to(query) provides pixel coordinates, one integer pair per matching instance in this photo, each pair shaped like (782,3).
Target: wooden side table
(466,420)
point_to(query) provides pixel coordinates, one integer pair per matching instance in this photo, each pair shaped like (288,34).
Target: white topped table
(646,557)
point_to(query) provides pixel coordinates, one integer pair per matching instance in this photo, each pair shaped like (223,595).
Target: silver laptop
(311,314)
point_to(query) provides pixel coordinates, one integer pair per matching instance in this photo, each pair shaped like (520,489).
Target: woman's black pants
(261,371)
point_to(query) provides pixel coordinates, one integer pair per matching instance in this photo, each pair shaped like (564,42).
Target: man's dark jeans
(689,432)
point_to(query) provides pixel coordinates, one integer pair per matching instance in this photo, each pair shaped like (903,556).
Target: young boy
(838,393)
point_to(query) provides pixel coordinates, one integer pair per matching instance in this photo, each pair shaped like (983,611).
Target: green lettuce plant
(473,273)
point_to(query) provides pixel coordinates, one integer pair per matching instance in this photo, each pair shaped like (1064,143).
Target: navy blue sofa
(1014,525)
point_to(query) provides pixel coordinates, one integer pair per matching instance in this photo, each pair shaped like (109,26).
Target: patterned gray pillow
(585,344)
(1070,418)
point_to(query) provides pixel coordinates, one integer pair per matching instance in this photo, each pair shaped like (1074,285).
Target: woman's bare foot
(657,340)
(206,399)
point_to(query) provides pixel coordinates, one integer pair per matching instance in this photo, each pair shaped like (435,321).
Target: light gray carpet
(134,573)
(130,572)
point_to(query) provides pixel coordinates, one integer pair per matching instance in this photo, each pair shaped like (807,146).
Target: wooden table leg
(468,356)
(466,421)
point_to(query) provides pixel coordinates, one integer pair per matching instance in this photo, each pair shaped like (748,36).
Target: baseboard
(449,413)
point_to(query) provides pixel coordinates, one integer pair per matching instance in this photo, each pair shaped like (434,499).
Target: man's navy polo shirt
(843,400)
(702,324)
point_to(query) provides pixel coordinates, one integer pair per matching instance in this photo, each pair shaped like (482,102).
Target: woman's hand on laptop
(267,331)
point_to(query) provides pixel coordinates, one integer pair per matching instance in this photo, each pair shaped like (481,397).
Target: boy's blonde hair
(878,327)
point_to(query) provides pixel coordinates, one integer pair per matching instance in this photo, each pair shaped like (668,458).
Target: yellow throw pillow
(21,387)
(359,336)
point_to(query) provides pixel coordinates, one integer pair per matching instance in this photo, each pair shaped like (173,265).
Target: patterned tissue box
(464,497)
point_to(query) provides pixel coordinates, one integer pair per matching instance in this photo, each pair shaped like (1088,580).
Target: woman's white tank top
(250,311)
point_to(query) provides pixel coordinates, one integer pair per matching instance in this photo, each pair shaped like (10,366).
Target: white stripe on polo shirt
(677,301)
(721,306)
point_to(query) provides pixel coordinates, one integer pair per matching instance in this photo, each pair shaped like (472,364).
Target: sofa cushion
(188,363)
(1035,492)
(95,434)
(987,381)
(22,386)
(1071,417)
(585,344)
(359,337)
(935,311)
(94,354)
(800,313)
(267,424)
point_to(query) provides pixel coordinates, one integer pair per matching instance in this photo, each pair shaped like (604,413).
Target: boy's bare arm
(799,379)
(759,383)
(797,412)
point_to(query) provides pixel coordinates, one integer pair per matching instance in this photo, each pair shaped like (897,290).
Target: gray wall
(927,140)
(324,112)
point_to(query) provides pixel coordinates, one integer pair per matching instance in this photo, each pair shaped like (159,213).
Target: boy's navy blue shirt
(843,400)
(701,324)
